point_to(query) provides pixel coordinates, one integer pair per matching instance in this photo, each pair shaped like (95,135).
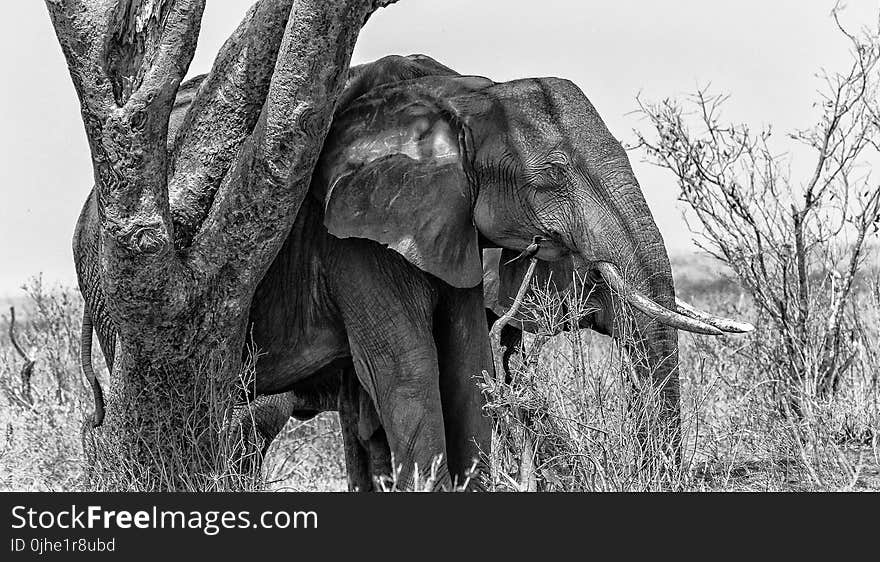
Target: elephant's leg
(266,416)
(372,435)
(462,338)
(357,458)
(367,454)
(368,461)
(357,453)
(258,421)
(254,426)
(387,306)
(407,396)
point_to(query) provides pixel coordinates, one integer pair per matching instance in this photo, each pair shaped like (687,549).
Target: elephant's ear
(394,171)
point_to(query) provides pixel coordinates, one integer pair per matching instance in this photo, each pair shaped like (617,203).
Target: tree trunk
(164,427)
(186,230)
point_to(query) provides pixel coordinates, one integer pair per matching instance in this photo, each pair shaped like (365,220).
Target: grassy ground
(576,392)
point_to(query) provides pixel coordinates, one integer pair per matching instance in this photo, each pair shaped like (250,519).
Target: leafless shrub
(42,450)
(25,392)
(588,420)
(48,341)
(581,403)
(797,245)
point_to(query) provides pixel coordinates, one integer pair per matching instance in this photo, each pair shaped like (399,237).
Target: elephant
(378,291)
(499,166)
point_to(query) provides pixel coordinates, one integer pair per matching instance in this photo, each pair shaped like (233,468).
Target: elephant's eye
(549,177)
(557,158)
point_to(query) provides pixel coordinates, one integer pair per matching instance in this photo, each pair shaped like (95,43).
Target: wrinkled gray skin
(436,166)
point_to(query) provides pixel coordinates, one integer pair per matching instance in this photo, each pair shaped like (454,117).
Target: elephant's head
(432,166)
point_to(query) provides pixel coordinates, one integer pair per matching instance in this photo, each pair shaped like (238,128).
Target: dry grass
(584,416)
(574,388)
(41,448)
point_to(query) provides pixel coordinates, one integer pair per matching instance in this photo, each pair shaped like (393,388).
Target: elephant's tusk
(723,324)
(647,306)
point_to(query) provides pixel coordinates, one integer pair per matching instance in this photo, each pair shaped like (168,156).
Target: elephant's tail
(88,371)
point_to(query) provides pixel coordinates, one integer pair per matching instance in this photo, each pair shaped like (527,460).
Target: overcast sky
(764,52)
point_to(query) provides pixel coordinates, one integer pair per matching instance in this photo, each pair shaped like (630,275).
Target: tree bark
(187,231)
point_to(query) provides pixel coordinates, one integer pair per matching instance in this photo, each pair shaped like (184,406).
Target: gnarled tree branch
(126,59)
(257,201)
(223,114)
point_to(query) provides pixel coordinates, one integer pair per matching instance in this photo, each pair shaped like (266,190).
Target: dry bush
(49,334)
(593,424)
(585,411)
(209,432)
(793,405)
(796,245)
(800,248)
(41,449)
(747,442)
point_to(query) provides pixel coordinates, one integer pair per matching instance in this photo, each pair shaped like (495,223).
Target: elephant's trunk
(634,265)
(650,338)
(629,254)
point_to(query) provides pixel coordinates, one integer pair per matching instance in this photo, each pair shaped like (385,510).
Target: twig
(528,479)
(27,370)
(495,333)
